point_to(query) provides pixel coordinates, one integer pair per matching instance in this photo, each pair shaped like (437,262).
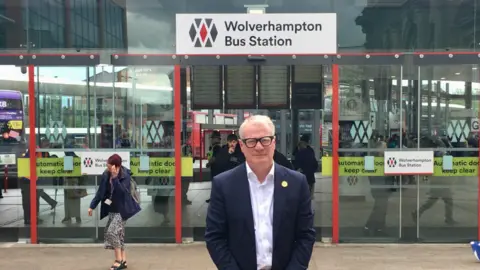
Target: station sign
(408,162)
(95,163)
(355,166)
(238,33)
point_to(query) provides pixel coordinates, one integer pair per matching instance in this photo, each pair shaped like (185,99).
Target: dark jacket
(230,232)
(279,158)
(215,169)
(306,161)
(226,161)
(121,196)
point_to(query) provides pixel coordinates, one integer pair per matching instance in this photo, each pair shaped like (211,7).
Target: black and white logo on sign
(88,162)
(392,162)
(203,33)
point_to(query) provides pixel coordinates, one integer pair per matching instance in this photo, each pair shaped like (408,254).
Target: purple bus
(11,114)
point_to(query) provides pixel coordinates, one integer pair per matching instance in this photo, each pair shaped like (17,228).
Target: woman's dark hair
(115,160)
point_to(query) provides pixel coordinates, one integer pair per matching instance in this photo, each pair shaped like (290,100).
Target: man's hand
(115,172)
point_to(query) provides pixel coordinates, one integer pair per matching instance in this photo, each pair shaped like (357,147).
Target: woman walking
(118,204)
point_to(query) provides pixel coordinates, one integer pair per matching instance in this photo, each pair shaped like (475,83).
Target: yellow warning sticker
(462,166)
(53,167)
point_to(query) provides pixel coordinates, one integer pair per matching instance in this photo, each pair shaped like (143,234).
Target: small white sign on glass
(95,163)
(409,162)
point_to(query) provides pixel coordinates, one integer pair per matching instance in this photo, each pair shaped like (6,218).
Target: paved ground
(195,256)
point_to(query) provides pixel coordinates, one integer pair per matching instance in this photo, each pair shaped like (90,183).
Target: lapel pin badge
(284,184)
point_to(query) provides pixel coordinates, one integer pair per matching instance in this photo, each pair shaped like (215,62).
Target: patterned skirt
(115,232)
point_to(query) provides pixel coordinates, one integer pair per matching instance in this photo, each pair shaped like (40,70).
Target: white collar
(251,174)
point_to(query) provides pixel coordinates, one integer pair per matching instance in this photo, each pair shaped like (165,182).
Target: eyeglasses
(252,142)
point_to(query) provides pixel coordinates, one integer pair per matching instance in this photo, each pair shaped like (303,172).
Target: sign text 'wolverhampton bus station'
(199,34)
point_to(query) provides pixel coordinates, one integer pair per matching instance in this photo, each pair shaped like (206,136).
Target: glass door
(65,128)
(145,125)
(15,203)
(445,96)
(290,89)
(369,100)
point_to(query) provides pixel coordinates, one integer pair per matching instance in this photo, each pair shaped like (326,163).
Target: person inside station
(162,188)
(281,159)
(230,156)
(124,141)
(305,161)
(223,158)
(186,152)
(6,139)
(215,147)
(472,142)
(381,191)
(440,187)
(74,190)
(25,186)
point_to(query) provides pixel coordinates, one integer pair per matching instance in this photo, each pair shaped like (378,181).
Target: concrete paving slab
(195,256)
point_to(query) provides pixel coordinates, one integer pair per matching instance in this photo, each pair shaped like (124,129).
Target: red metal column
(177,115)
(33,155)
(335,169)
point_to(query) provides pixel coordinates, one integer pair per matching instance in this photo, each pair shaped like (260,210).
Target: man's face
(6,135)
(232,143)
(257,144)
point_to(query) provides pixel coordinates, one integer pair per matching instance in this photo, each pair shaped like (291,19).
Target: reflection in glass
(447,200)
(369,105)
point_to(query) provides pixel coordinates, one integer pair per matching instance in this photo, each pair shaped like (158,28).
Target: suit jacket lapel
(243,189)
(279,199)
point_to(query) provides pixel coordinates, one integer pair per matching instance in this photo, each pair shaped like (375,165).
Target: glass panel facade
(84,18)
(107,108)
(131,108)
(448,204)
(369,201)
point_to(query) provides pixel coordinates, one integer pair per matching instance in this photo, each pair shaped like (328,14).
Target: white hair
(257,119)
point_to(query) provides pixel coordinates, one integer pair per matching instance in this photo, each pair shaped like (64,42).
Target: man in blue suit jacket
(260,214)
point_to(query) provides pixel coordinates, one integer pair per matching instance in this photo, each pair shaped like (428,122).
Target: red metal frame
(33,155)
(335,145)
(177,133)
(177,115)
(202,134)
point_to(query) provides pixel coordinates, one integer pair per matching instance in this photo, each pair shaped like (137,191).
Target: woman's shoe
(117,265)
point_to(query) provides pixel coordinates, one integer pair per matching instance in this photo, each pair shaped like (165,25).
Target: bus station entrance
(362,107)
